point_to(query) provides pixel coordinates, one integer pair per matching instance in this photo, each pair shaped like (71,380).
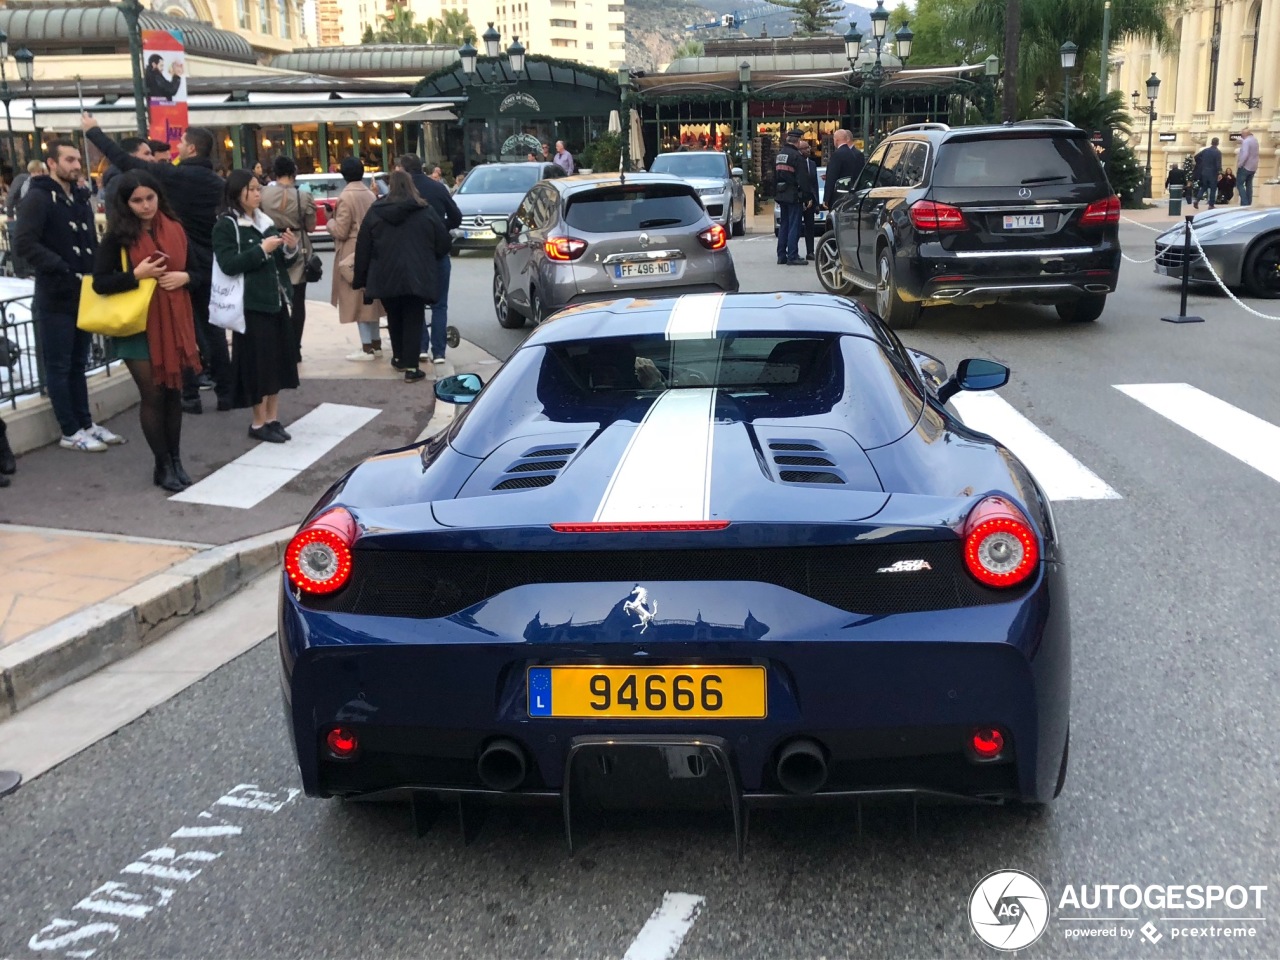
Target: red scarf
(171,332)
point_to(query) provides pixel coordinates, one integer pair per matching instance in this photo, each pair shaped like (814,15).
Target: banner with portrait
(165,82)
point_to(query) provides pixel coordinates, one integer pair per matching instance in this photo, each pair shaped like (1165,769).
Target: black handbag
(315,267)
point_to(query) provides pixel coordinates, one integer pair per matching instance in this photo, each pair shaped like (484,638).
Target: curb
(85,642)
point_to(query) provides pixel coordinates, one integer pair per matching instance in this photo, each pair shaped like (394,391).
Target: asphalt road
(1174,607)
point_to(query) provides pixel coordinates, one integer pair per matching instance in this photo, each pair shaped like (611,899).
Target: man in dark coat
(135,147)
(843,169)
(809,202)
(790,177)
(196,194)
(1207,171)
(441,201)
(56,235)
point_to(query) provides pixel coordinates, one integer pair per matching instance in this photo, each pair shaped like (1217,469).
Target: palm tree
(688,48)
(398,26)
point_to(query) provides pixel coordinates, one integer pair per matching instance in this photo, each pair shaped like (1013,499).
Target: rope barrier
(1218,280)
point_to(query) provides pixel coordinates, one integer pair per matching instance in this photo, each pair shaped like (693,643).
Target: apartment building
(588,31)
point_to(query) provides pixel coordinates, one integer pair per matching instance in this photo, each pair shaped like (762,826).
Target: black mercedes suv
(1020,213)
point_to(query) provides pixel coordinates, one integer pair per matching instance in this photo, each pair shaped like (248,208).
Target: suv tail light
(715,237)
(1100,212)
(939,217)
(318,558)
(1000,548)
(564,249)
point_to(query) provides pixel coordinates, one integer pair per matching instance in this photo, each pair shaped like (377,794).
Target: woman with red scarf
(143,232)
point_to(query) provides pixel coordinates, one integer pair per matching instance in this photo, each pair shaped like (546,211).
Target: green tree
(688,48)
(452,28)
(937,41)
(813,17)
(398,26)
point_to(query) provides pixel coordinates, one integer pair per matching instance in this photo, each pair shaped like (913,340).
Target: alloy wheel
(1264,274)
(499,297)
(830,272)
(884,280)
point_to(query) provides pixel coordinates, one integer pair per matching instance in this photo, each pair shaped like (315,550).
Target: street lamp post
(492,47)
(1153,91)
(132,9)
(26,66)
(744,80)
(879,24)
(991,70)
(1068,54)
(874,75)
(1253,103)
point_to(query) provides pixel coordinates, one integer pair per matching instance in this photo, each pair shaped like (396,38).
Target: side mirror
(974,375)
(500,226)
(737,172)
(933,369)
(458,389)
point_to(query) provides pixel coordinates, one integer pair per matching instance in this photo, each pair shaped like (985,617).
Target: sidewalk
(73,601)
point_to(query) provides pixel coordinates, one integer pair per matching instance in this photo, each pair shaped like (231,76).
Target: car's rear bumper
(934,275)
(711,272)
(890,701)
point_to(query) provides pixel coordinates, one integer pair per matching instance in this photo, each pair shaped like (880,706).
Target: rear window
(501,179)
(618,209)
(1016,162)
(712,166)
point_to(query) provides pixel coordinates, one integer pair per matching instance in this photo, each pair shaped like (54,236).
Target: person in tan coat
(344,226)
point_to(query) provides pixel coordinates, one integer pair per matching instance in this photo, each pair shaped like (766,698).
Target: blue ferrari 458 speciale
(730,549)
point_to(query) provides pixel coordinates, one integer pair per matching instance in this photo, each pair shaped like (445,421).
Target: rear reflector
(564,248)
(318,558)
(1000,548)
(715,237)
(654,526)
(342,743)
(987,743)
(1100,212)
(937,217)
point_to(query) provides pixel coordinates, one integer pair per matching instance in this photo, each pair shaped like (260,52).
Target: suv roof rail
(920,126)
(1045,121)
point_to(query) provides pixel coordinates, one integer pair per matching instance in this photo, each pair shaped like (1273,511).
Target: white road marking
(665,472)
(1248,438)
(1062,476)
(661,936)
(695,316)
(82,938)
(248,480)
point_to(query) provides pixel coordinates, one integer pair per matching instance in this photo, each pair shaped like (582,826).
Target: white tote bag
(226,296)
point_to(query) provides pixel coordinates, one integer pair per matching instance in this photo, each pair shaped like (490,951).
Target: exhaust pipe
(802,767)
(502,765)
(1097,288)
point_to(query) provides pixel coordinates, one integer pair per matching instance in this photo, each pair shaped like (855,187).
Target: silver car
(601,236)
(1242,244)
(718,185)
(492,191)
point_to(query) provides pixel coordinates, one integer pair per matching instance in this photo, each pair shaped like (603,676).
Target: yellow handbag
(117,314)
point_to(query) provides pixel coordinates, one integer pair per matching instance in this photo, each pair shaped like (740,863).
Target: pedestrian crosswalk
(1250,439)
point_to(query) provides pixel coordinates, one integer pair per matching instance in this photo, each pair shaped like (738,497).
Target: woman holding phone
(264,357)
(145,241)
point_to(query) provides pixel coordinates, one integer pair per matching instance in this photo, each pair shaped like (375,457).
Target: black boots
(180,472)
(166,477)
(7,462)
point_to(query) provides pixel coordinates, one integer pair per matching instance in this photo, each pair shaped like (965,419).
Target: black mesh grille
(794,446)
(537,465)
(404,584)
(804,461)
(809,476)
(519,483)
(551,452)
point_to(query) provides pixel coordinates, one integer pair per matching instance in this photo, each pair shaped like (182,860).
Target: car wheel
(502,307)
(1085,309)
(536,312)
(740,225)
(1262,269)
(896,312)
(830,271)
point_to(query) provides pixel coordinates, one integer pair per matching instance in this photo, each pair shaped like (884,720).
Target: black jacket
(842,173)
(55,234)
(790,175)
(397,249)
(110,275)
(1208,166)
(194,191)
(441,200)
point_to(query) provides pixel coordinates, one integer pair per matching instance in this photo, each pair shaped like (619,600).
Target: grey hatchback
(601,236)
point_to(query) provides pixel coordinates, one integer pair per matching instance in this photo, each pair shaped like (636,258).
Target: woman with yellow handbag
(145,243)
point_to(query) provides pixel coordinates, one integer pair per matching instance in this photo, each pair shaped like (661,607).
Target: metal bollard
(1186,277)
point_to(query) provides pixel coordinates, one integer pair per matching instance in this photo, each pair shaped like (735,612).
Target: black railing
(21,362)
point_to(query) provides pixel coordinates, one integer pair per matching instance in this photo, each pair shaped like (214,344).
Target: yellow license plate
(697,692)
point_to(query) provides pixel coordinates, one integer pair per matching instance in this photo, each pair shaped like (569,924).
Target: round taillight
(1000,548)
(318,558)
(987,743)
(342,743)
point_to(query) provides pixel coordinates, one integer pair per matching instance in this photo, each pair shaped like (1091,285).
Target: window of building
(282,15)
(1253,26)
(617,26)
(264,16)
(590,45)
(615,8)
(557,42)
(571,24)
(242,13)
(617,46)
(588,26)
(1215,47)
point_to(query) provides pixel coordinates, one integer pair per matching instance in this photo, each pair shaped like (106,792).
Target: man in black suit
(843,169)
(810,201)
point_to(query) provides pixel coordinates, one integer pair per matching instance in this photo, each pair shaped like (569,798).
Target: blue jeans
(1244,183)
(433,335)
(65,350)
(789,231)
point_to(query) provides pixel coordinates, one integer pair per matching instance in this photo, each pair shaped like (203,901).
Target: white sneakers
(94,439)
(360,356)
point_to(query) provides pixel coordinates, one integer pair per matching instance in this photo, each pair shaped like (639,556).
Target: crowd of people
(1213,183)
(179,224)
(796,177)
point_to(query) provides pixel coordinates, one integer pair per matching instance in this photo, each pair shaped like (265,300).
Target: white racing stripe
(695,316)
(1062,476)
(1248,438)
(661,936)
(665,472)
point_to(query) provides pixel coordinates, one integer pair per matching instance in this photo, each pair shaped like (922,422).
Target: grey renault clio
(600,236)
